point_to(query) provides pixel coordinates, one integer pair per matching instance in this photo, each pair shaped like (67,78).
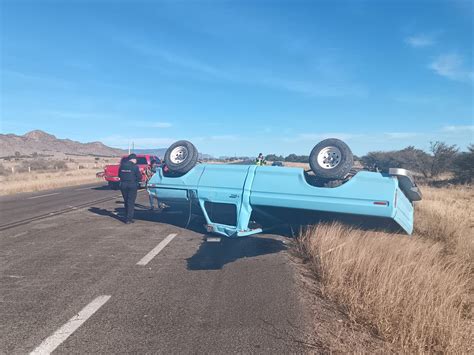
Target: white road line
(19,234)
(60,335)
(154,252)
(32,198)
(84,188)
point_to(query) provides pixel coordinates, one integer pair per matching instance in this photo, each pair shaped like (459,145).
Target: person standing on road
(130,177)
(149,173)
(260,160)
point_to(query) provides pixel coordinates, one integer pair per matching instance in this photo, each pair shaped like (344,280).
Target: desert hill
(44,143)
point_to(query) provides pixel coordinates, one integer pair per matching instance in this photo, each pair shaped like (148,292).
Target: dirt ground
(27,175)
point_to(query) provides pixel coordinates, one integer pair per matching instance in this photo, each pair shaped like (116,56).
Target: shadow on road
(104,212)
(101,188)
(289,222)
(210,255)
(143,213)
(213,256)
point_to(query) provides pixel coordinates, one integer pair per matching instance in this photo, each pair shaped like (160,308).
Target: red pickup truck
(110,173)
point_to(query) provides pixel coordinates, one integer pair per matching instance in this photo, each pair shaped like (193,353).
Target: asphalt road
(26,205)
(83,282)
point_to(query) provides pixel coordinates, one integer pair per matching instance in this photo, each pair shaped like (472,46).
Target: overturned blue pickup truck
(227,194)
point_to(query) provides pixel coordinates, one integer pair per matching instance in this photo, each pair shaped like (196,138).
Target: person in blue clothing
(149,173)
(130,177)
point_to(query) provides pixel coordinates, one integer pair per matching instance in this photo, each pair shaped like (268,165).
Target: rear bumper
(407,184)
(117,181)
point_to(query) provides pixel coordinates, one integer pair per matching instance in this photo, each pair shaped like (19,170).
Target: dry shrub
(41,165)
(406,289)
(36,164)
(3,170)
(59,164)
(446,216)
(43,180)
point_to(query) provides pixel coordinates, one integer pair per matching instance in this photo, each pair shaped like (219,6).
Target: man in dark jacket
(130,177)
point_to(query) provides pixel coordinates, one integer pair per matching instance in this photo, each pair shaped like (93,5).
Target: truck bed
(240,188)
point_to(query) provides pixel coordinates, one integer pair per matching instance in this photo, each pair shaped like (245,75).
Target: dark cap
(132,156)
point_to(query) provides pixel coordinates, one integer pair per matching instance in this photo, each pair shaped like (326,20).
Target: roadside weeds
(414,293)
(39,181)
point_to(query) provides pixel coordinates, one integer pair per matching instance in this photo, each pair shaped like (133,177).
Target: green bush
(463,167)
(442,156)
(297,158)
(408,158)
(274,157)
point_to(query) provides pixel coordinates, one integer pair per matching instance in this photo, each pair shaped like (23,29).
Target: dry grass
(416,293)
(447,216)
(37,181)
(296,165)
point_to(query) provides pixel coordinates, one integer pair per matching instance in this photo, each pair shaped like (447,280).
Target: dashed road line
(154,252)
(60,335)
(19,234)
(32,198)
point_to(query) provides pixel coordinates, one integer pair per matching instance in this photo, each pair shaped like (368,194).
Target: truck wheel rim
(178,155)
(329,157)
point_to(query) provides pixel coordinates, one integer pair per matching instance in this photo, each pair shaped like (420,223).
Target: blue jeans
(129,193)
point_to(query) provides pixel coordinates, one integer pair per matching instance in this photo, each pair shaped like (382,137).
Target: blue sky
(240,77)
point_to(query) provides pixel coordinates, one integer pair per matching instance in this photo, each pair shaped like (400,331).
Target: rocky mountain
(43,143)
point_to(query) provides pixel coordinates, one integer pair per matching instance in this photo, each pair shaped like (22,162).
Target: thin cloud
(451,66)
(224,137)
(139,142)
(319,136)
(351,136)
(217,137)
(313,89)
(457,129)
(35,79)
(328,88)
(163,142)
(78,115)
(401,135)
(151,124)
(184,62)
(420,41)
(415,99)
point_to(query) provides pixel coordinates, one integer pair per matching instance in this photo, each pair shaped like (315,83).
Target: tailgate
(111,171)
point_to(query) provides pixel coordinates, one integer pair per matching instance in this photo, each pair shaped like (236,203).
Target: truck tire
(181,157)
(331,159)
